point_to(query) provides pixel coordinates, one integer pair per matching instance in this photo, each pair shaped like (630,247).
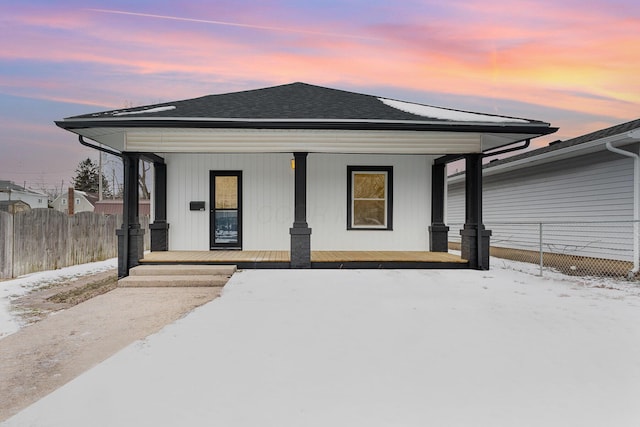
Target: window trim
(389,196)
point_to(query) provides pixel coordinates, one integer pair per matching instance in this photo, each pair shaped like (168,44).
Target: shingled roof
(300,117)
(299,102)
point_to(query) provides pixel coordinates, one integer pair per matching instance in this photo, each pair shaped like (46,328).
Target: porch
(366,172)
(319,259)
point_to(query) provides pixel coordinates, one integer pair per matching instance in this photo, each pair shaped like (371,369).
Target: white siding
(268,183)
(33,200)
(327,202)
(595,187)
(267,199)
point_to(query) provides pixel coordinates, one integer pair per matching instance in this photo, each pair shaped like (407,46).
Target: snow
(10,289)
(447,114)
(375,348)
(148,110)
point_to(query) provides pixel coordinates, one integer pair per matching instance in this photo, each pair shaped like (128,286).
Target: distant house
(11,191)
(13,206)
(300,176)
(82,202)
(115,207)
(582,181)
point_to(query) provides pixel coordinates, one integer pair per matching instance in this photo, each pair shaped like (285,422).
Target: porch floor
(319,259)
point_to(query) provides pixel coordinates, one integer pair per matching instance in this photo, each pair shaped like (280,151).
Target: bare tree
(142,179)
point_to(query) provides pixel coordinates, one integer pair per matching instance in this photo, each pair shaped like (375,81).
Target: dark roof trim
(97,147)
(528,128)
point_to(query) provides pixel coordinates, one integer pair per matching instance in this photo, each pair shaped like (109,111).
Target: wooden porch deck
(319,259)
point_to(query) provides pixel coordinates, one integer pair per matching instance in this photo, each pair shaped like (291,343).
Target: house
(115,207)
(300,176)
(588,187)
(82,202)
(11,191)
(14,206)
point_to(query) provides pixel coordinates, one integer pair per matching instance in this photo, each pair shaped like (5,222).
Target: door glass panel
(226,192)
(226,226)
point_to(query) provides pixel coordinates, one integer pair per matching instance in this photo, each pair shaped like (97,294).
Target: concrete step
(182,270)
(173,281)
(144,276)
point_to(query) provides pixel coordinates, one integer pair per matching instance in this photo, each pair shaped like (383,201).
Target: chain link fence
(594,248)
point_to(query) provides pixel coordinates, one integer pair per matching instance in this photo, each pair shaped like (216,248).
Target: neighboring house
(11,191)
(82,202)
(13,206)
(115,207)
(306,170)
(584,181)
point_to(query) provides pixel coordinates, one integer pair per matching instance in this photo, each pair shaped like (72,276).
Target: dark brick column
(300,232)
(130,235)
(475,239)
(159,228)
(438,231)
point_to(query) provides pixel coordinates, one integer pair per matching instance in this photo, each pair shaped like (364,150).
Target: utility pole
(100,176)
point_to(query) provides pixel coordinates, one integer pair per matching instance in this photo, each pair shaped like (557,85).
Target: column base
(159,236)
(300,247)
(469,246)
(439,238)
(135,252)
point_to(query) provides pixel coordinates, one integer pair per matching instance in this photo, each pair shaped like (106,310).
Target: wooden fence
(45,239)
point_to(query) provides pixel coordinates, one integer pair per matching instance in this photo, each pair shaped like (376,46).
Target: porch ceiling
(224,140)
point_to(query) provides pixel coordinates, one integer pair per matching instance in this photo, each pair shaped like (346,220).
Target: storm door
(226,210)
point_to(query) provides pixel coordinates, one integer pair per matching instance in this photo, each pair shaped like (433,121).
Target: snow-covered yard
(10,289)
(375,348)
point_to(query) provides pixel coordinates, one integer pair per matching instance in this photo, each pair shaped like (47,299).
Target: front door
(226,210)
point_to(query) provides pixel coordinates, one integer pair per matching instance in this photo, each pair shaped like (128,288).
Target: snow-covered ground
(375,348)
(9,289)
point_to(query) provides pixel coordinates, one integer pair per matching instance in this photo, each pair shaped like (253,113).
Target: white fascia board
(171,140)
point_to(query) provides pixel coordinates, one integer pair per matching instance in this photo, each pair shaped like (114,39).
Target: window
(64,201)
(370,197)
(77,201)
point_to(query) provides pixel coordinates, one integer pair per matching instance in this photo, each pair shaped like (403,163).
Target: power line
(35,173)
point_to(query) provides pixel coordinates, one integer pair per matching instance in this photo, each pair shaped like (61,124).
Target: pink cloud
(551,64)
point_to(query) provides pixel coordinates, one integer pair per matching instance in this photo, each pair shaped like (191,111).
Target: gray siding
(595,187)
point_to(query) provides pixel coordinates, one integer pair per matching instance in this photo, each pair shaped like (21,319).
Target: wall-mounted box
(196,206)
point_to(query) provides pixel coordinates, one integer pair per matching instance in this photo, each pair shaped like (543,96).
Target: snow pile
(374,348)
(447,114)
(16,287)
(148,110)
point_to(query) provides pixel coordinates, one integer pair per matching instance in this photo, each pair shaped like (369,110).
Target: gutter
(636,199)
(125,230)
(548,156)
(97,147)
(489,152)
(525,145)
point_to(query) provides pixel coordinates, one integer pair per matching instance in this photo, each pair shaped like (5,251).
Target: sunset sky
(572,63)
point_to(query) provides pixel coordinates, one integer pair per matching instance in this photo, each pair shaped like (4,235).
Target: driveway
(375,348)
